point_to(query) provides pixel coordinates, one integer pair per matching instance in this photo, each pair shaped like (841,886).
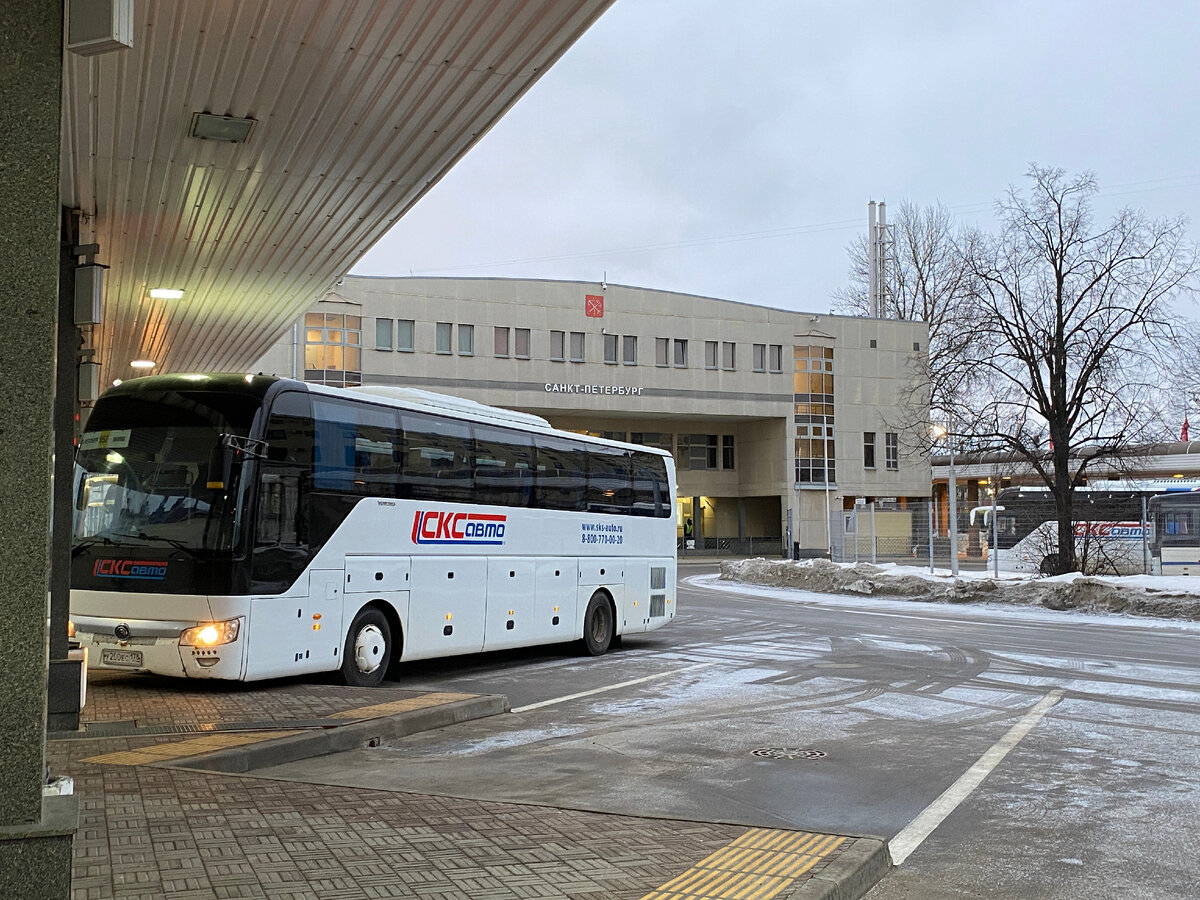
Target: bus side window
(437,459)
(608,480)
(560,479)
(503,467)
(651,494)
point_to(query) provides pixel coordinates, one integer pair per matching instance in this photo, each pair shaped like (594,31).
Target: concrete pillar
(35,834)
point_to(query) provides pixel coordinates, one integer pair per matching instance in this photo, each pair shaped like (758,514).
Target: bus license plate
(131,658)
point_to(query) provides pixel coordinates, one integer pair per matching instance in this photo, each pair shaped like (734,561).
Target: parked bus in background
(1109,537)
(247,527)
(1175,533)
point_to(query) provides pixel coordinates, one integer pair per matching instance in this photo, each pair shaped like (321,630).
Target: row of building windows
(692,451)
(397,334)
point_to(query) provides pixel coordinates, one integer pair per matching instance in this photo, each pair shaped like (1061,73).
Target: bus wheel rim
(369,645)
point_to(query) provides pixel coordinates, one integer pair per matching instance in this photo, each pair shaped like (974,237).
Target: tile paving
(148,830)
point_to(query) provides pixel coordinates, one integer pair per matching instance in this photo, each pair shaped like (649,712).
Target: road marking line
(911,836)
(758,865)
(610,687)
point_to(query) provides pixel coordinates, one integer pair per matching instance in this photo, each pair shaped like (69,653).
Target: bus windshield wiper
(178,545)
(82,545)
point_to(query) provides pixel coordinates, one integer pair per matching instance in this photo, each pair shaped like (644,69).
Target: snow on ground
(1138,595)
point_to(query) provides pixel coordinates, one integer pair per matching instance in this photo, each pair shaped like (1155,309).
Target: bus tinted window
(651,492)
(437,459)
(608,482)
(355,449)
(560,478)
(503,467)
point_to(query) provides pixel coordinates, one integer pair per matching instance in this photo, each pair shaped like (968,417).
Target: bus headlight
(211,635)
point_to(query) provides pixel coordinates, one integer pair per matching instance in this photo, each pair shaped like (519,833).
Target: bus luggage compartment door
(447,605)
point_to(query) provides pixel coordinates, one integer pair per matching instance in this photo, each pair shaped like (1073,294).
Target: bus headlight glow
(212,634)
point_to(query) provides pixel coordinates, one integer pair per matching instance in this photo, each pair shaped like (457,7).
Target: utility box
(99,26)
(89,293)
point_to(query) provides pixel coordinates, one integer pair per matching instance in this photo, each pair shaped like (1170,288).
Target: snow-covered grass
(1171,597)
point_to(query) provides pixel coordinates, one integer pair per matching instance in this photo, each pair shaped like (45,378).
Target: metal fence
(770,547)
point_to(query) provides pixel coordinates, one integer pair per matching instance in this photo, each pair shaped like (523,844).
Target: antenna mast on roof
(880,247)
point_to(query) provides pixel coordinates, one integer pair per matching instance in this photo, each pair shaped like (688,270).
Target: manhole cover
(788,753)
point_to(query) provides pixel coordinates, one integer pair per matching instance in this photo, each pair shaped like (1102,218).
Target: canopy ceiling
(358,108)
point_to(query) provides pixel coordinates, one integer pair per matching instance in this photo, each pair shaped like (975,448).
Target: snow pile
(1139,595)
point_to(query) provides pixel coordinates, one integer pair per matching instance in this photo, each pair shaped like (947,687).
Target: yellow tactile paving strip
(159,753)
(398,706)
(759,865)
(172,750)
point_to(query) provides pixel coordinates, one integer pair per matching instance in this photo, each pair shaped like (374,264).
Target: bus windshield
(154,468)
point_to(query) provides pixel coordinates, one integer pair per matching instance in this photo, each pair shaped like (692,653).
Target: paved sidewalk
(157,821)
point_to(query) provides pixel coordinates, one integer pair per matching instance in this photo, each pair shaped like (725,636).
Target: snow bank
(1168,598)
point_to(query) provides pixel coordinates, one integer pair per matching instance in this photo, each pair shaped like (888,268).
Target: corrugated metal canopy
(359,106)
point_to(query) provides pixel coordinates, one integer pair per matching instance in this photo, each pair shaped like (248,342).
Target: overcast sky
(730,149)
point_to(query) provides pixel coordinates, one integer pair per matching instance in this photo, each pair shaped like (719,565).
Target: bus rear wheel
(368,649)
(599,625)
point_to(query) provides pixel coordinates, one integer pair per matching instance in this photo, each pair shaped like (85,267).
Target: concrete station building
(779,420)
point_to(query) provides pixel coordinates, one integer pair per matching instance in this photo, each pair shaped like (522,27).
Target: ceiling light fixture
(143,364)
(231,129)
(166,293)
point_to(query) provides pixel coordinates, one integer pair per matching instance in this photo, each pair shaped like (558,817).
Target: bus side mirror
(220,464)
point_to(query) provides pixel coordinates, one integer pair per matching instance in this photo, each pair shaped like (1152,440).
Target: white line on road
(910,838)
(610,687)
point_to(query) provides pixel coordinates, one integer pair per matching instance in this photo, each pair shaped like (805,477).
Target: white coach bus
(246,527)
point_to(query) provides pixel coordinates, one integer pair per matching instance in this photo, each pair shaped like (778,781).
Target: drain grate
(788,753)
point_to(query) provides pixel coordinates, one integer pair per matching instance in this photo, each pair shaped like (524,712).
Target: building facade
(779,420)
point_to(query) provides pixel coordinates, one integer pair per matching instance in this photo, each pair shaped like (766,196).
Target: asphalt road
(1003,753)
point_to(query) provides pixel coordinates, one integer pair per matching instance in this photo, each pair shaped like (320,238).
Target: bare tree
(1072,318)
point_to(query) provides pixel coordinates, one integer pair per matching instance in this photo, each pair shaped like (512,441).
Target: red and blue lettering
(446,527)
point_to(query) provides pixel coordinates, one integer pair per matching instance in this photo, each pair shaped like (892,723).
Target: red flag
(1183,431)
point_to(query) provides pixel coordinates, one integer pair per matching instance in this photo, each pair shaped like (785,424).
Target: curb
(339,738)
(849,875)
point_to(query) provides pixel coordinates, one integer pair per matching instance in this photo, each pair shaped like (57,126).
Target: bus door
(296,632)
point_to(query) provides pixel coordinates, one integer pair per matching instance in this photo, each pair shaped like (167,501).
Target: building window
(892,449)
(522,342)
(404,335)
(576,346)
(727,459)
(917,346)
(697,451)
(629,356)
(499,341)
(874,344)
(777,357)
(659,439)
(728,357)
(680,353)
(610,349)
(333,349)
(710,354)
(466,340)
(442,344)
(383,334)
(557,346)
(868,449)
(760,357)
(813,398)
(662,351)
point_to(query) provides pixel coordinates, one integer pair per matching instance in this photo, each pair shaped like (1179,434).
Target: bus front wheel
(368,649)
(599,625)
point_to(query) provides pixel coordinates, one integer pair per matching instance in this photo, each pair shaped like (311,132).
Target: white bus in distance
(248,527)
(1109,537)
